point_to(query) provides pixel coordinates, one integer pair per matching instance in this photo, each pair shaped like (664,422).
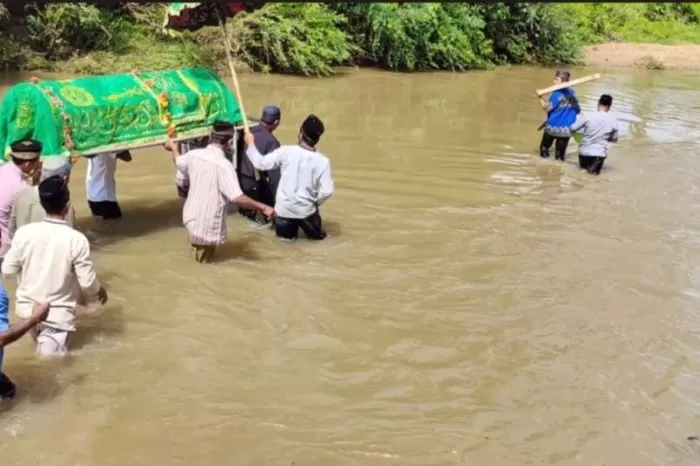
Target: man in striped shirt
(213,184)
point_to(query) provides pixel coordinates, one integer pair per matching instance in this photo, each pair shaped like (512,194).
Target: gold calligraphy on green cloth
(114,111)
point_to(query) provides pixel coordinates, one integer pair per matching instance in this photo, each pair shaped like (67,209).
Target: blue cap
(270,114)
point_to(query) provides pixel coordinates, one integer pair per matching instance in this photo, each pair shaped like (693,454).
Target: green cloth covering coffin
(115,112)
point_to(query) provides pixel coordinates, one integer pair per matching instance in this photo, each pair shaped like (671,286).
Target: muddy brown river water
(473,305)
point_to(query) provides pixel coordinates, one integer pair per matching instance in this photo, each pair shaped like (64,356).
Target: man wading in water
(212,185)
(599,130)
(561,109)
(264,189)
(49,256)
(306,181)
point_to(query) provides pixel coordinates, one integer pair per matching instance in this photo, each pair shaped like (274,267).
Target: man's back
(304,182)
(597,129)
(50,256)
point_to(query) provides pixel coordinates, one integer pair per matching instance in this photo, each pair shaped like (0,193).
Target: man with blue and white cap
(261,186)
(27,208)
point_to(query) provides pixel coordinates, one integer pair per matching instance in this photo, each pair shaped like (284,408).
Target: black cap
(605,100)
(270,114)
(312,129)
(53,193)
(26,149)
(223,128)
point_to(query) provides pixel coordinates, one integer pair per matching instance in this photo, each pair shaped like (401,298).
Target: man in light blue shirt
(11,334)
(599,130)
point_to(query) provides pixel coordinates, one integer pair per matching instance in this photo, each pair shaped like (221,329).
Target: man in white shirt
(101,186)
(49,257)
(305,182)
(599,131)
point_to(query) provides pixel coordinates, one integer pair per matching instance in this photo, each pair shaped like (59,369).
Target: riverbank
(647,56)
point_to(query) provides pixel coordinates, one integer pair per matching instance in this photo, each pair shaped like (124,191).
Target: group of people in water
(564,118)
(281,185)
(51,260)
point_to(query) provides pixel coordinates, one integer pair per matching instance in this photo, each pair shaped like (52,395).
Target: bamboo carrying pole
(234,78)
(556,87)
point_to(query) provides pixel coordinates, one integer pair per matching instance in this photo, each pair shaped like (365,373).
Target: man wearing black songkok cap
(305,184)
(261,186)
(599,130)
(49,257)
(23,171)
(213,184)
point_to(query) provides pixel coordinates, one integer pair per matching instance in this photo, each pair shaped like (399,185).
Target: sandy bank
(649,56)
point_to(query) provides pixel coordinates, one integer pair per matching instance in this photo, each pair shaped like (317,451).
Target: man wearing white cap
(27,208)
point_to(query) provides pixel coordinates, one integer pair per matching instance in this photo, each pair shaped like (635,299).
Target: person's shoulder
(77,236)
(322,158)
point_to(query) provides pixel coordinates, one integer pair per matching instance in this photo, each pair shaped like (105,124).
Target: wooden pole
(556,87)
(234,77)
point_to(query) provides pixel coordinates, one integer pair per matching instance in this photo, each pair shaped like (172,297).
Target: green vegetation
(315,38)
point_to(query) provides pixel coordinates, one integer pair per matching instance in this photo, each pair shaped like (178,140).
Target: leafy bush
(414,37)
(302,38)
(60,30)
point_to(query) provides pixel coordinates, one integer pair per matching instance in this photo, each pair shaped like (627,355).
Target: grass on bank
(313,38)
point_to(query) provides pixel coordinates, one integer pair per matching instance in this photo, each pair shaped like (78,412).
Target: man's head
(54,196)
(561,76)
(271,116)
(311,130)
(605,102)
(222,134)
(25,154)
(56,166)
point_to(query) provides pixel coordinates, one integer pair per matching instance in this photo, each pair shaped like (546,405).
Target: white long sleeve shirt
(49,257)
(306,181)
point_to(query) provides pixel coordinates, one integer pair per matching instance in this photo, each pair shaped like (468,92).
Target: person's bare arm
(17,331)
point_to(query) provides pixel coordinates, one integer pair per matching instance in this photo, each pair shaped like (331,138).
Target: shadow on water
(138,220)
(40,381)
(238,248)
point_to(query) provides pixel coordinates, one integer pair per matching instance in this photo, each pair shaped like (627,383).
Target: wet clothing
(305,184)
(50,241)
(12,182)
(265,188)
(561,114)
(599,131)
(101,186)
(560,145)
(591,164)
(213,184)
(108,210)
(4,317)
(312,226)
(28,209)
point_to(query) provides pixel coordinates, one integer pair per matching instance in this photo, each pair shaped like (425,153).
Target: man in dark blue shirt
(261,186)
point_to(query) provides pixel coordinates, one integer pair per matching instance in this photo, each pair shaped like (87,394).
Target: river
(473,305)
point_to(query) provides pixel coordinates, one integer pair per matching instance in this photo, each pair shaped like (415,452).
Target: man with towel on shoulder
(263,189)
(213,184)
(306,181)
(21,171)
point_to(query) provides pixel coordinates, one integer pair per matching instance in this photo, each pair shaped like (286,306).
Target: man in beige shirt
(27,208)
(49,258)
